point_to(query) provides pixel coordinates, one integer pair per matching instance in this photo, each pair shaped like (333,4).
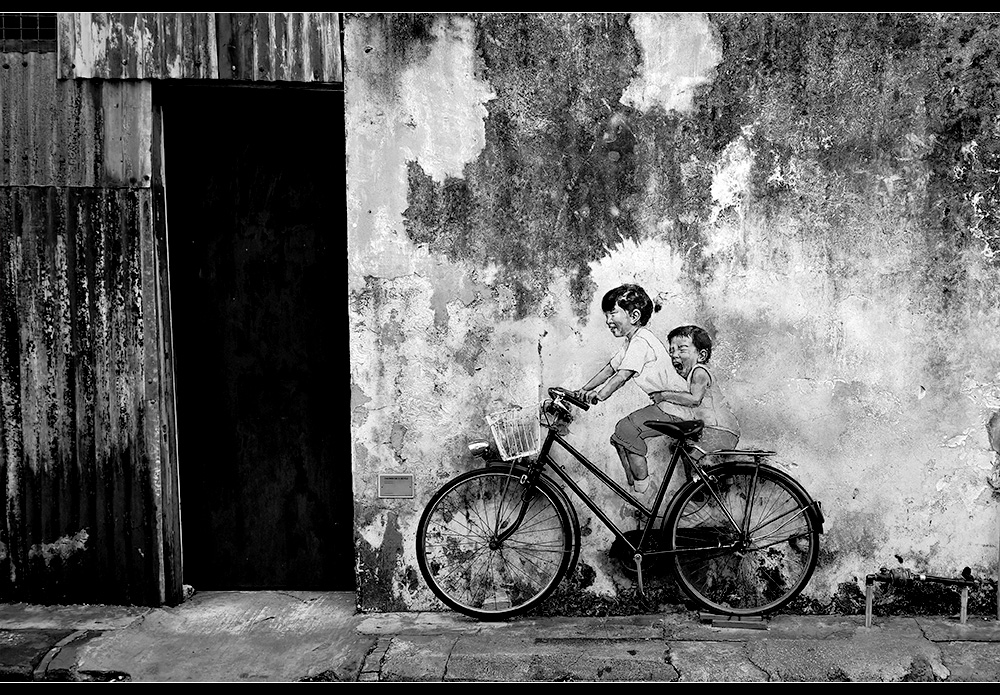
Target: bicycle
(741,536)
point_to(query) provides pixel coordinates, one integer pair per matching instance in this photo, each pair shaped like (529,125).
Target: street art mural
(819,191)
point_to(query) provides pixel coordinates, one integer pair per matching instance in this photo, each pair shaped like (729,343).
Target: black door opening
(256,221)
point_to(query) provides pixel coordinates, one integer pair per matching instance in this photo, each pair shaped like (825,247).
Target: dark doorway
(256,221)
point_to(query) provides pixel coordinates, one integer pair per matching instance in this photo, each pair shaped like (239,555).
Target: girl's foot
(642,492)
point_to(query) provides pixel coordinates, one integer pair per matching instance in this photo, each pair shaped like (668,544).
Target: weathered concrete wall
(819,191)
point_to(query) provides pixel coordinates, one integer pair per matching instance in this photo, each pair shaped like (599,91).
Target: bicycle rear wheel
(735,568)
(469,568)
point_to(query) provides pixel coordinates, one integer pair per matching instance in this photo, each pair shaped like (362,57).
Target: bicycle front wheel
(745,544)
(468,561)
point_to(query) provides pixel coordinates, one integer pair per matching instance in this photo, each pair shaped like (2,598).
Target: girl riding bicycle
(644,359)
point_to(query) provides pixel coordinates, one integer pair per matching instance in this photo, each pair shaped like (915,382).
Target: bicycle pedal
(627,512)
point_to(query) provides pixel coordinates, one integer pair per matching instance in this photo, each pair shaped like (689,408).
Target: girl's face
(621,323)
(683,354)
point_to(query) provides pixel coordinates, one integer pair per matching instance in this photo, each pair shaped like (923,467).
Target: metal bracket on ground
(747,622)
(901,576)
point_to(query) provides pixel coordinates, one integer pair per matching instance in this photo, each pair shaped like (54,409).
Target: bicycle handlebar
(559,392)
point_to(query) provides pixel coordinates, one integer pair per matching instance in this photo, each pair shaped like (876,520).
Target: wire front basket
(516,432)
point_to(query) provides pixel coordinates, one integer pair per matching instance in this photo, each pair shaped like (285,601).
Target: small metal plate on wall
(395,485)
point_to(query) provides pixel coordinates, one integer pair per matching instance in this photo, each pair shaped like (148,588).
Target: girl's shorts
(631,433)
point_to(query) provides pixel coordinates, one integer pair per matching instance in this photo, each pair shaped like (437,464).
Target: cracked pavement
(272,636)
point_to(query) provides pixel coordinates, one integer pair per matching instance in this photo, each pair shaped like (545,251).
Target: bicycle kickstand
(638,570)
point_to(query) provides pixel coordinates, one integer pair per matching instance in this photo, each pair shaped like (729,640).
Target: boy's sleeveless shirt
(646,355)
(714,409)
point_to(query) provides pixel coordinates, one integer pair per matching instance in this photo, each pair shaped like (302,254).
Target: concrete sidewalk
(319,636)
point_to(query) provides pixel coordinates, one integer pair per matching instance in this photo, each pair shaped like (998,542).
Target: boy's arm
(694,397)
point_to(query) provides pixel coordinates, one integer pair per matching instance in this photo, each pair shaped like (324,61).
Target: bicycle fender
(813,507)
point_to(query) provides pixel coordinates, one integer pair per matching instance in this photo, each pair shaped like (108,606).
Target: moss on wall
(559,177)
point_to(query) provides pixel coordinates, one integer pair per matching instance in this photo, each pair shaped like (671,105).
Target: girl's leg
(630,441)
(639,470)
(629,444)
(623,455)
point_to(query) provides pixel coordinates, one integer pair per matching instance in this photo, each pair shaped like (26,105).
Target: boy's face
(683,354)
(620,323)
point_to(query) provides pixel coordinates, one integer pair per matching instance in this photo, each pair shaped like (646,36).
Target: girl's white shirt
(646,355)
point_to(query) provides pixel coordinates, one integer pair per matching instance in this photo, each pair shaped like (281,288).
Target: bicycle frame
(742,535)
(650,514)
(640,549)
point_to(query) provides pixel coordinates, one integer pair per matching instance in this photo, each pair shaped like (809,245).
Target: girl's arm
(585,394)
(694,397)
(611,385)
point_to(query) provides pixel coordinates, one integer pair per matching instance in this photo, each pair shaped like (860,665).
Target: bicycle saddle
(686,429)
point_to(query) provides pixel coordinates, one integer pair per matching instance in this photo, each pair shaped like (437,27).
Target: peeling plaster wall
(818,191)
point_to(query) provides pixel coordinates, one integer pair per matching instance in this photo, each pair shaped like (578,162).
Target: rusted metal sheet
(137,45)
(254,46)
(71,132)
(81,453)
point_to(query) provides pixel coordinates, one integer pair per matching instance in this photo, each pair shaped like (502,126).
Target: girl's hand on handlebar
(589,397)
(574,397)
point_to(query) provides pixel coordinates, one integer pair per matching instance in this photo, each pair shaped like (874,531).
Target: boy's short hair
(630,298)
(698,335)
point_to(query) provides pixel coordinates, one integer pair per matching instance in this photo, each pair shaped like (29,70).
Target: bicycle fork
(527,480)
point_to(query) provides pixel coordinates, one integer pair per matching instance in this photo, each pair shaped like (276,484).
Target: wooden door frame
(172,573)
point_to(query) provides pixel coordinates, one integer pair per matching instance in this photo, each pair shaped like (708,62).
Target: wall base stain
(378,580)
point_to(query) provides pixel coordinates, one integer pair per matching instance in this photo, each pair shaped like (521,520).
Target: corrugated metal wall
(80,393)
(71,132)
(87,451)
(259,47)
(85,442)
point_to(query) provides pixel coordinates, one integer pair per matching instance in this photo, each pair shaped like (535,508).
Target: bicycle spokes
(487,550)
(745,546)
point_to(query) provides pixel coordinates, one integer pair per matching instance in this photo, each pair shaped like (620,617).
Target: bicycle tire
(471,573)
(743,576)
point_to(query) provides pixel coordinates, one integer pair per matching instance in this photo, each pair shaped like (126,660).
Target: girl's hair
(699,338)
(630,298)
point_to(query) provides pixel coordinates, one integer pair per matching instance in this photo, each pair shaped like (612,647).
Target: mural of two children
(678,382)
